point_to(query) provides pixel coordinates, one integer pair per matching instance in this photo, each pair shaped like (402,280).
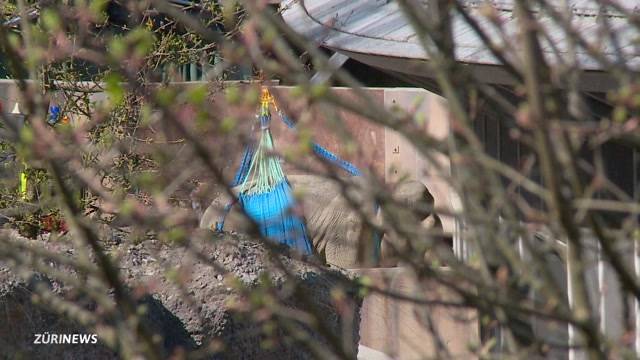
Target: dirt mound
(196,297)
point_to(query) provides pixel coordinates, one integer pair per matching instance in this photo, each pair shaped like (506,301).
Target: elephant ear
(336,230)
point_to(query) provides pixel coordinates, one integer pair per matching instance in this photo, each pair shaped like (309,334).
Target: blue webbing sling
(271,209)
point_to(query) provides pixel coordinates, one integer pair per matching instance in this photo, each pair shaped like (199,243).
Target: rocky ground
(206,312)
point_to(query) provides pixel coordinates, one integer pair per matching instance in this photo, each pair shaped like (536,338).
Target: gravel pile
(196,299)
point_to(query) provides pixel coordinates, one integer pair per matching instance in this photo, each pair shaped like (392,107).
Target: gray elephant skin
(335,229)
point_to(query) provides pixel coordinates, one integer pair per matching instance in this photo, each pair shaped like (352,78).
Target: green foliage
(197,95)
(29,225)
(8,8)
(50,20)
(118,48)
(97,8)
(114,88)
(155,44)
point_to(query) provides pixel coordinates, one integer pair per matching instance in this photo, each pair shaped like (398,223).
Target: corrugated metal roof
(379,27)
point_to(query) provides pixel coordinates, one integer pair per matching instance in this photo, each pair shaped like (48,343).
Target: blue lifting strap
(241,174)
(225,212)
(324,153)
(245,164)
(334,159)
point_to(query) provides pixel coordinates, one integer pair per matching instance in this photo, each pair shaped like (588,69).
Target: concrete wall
(407,330)
(402,159)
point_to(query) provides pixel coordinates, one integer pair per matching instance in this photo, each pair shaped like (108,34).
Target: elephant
(334,227)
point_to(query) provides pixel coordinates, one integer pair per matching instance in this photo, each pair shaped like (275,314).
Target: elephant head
(412,200)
